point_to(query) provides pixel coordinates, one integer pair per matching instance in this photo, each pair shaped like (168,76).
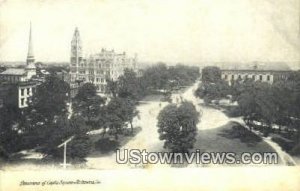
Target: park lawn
(227,139)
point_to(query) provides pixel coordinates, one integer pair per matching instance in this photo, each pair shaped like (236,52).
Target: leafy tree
(10,130)
(115,116)
(211,74)
(112,87)
(183,75)
(213,91)
(87,103)
(129,85)
(48,102)
(156,76)
(257,102)
(63,129)
(178,126)
(79,147)
(131,112)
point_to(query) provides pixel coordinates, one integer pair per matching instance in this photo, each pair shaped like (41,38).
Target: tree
(213,91)
(183,75)
(177,125)
(114,116)
(131,112)
(156,76)
(48,104)
(79,147)
(62,130)
(128,85)
(49,101)
(87,103)
(211,74)
(112,87)
(11,139)
(258,103)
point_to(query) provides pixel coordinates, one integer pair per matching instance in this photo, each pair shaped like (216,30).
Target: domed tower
(30,67)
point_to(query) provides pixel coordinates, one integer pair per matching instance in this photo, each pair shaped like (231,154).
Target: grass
(237,131)
(230,138)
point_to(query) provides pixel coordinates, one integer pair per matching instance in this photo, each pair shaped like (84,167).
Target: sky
(169,30)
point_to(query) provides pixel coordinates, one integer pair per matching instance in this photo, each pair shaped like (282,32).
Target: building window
(260,77)
(240,77)
(22,92)
(246,76)
(232,76)
(224,76)
(28,91)
(22,101)
(253,77)
(268,77)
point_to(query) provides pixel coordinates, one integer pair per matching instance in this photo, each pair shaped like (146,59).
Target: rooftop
(260,66)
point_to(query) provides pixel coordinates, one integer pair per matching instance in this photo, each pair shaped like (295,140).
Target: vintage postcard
(149,95)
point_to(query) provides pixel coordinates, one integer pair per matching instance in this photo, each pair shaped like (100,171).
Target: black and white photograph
(149,95)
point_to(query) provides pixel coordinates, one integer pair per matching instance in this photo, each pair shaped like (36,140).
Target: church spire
(30,56)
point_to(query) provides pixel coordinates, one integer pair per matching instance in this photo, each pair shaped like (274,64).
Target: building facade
(97,68)
(255,73)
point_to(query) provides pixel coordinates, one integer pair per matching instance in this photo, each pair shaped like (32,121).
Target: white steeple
(30,68)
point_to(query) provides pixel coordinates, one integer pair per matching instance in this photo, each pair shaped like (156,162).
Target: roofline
(245,70)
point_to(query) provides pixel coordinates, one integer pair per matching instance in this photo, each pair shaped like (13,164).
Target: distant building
(97,68)
(19,84)
(63,75)
(257,73)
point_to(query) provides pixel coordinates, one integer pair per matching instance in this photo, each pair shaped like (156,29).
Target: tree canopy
(87,103)
(211,74)
(177,126)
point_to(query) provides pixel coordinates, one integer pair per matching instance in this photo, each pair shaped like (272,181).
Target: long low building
(257,73)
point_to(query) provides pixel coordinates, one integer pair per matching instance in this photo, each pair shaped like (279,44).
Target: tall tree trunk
(131,126)
(116,133)
(104,132)
(88,115)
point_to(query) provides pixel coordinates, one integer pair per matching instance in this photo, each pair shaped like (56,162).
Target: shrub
(245,135)
(285,144)
(296,150)
(106,145)
(233,112)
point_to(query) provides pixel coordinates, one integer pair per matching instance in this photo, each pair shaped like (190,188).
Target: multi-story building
(257,74)
(19,84)
(97,68)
